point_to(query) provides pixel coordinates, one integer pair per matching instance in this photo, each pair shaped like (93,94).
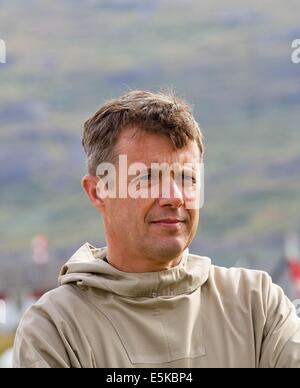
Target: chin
(168,250)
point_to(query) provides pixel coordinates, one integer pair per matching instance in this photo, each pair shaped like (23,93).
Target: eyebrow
(149,170)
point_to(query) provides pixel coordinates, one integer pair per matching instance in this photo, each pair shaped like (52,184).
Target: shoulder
(60,295)
(43,331)
(235,279)
(242,285)
(52,315)
(54,306)
(239,278)
(248,288)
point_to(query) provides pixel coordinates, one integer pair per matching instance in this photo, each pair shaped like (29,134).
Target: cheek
(129,212)
(140,208)
(117,213)
(194,217)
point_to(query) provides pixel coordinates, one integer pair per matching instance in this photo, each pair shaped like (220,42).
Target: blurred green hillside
(230,59)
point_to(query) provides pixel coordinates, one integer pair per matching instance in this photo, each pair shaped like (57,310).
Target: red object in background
(294,267)
(293,258)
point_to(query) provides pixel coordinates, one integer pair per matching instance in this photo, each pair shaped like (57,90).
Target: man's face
(151,229)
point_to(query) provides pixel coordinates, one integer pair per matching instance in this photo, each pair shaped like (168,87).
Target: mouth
(169,223)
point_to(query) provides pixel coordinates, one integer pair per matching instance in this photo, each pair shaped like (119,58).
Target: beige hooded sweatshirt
(192,315)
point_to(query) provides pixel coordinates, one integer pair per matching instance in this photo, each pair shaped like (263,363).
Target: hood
(87,268)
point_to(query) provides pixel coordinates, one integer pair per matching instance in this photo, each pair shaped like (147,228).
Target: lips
(168,221)
(169,224)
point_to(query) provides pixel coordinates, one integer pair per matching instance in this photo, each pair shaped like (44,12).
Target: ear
(89,185)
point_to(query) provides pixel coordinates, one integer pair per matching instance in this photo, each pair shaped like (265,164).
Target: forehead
(140,146)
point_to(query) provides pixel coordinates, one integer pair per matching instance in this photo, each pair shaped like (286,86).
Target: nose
(171,196)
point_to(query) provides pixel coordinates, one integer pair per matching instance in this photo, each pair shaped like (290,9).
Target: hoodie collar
(87,268)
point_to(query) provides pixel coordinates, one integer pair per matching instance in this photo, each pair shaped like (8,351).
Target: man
(144,300)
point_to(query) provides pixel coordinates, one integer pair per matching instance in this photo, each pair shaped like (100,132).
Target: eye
(146,177)
(189,178)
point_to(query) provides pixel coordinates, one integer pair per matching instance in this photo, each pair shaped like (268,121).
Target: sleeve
(281,335)
(38,343)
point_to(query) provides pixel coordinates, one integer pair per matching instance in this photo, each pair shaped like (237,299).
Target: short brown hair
(161,113)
